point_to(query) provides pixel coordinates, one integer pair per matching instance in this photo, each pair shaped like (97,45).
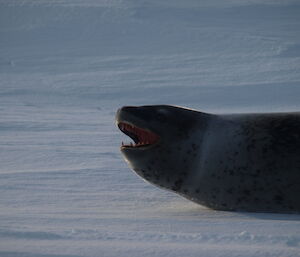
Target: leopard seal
(232,162)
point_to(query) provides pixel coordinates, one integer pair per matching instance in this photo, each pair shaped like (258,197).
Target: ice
(67,66)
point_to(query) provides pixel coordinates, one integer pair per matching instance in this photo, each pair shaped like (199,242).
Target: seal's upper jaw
(134,127)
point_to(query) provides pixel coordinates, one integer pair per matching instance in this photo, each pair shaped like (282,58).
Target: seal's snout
(129,120)
(131,110)
(124,112)
(128,109)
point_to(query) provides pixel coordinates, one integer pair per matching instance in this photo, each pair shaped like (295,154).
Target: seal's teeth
(140,136)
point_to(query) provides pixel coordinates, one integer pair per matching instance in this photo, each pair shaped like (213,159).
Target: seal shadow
(202,212)
(271,216)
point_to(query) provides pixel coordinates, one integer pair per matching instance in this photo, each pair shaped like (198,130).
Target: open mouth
(141,137)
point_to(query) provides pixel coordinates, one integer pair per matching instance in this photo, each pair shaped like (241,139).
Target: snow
(66,66)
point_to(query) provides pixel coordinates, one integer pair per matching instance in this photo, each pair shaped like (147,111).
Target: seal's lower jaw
(143,138)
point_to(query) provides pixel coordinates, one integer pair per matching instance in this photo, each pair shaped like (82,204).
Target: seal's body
(243,162)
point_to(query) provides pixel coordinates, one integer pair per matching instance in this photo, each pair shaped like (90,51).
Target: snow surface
(65,68)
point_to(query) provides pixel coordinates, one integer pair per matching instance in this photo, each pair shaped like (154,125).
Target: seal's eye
(140,136)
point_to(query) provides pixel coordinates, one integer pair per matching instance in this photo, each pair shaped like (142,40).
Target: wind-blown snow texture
(67,65)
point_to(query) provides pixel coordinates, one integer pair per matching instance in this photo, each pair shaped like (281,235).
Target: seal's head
(165,142)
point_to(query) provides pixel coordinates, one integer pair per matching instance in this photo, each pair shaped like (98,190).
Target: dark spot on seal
(278,198)
(246,192)
(177,185)
(291,207)
(257,172)
(183,174)
(230,190)
(231,172)
(264,150)
(195,147)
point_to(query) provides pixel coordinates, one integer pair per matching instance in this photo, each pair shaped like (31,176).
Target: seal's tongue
(141,137)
